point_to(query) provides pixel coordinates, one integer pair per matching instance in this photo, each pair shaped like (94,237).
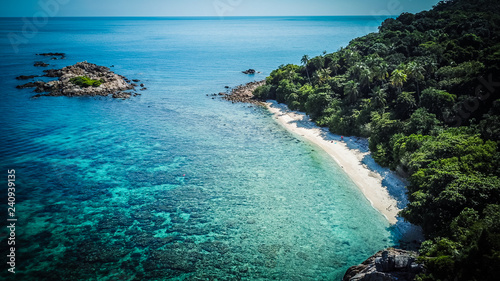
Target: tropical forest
(425,90)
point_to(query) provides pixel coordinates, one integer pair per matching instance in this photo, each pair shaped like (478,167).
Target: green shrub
(84,81)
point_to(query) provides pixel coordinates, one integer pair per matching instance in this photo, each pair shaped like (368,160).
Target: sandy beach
(351,155)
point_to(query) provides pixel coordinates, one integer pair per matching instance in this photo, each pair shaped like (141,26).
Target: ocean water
(172,184)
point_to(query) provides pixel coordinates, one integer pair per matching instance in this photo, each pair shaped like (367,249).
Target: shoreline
(383,188)
(351,160)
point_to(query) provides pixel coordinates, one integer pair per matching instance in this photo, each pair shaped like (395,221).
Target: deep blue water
(174,184)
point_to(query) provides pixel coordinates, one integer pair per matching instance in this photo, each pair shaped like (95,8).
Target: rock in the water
(249,71)
(31,85)
(387,265)
(106,82)
(136,80)
(41,63)
(26,77)
(121,95)
(62,55)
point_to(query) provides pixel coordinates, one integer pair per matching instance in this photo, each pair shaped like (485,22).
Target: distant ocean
(175,185)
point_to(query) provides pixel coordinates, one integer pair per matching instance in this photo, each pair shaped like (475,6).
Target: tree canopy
(424,91)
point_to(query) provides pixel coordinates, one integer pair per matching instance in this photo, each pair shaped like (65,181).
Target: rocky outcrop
(26,77)
(60,55)
(53,73)
(41,64)
(243,93)
(109,82)
(387,265)
(249,71)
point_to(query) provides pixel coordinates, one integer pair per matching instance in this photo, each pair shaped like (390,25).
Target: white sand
(353,156)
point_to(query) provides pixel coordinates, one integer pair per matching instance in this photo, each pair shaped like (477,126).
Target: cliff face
(386,265)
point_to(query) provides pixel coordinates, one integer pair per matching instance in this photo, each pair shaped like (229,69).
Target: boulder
(26,77)
(53,73)
(249,71)
(388,265)
(41,64)
(121,95)
(62,55)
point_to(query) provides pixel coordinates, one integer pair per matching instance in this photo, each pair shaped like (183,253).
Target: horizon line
(215,16)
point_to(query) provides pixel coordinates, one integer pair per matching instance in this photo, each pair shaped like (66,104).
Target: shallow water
(174,184)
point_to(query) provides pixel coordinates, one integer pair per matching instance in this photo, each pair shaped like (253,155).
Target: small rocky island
(82,79)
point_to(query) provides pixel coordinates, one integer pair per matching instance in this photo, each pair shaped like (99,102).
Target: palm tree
(305,61)
(335,66)
(323,75)
(364,75)
(416,72)
(379,71)
(379,98)
(398,78)
(351,90)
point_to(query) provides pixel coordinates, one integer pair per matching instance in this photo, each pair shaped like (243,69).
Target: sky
(221,8)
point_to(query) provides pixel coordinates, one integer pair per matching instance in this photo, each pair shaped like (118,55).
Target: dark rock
(53,73)
(136,80)
(121,95)
(142,85)
(30,85)
(227,87)
(41,64)
(143,89)
(249,71)
(387,265)
(62,55)
(26,77)
(134,85)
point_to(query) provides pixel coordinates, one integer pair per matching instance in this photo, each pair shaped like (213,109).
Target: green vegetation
(84,81)
(423,90)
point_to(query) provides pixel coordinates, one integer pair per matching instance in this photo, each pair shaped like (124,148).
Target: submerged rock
(26,77)
(387,265)
(41,63)
(61,55)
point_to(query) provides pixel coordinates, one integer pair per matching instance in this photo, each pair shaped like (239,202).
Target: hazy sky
(39,8)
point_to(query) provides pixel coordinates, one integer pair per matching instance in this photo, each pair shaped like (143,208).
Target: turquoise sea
(174,185)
